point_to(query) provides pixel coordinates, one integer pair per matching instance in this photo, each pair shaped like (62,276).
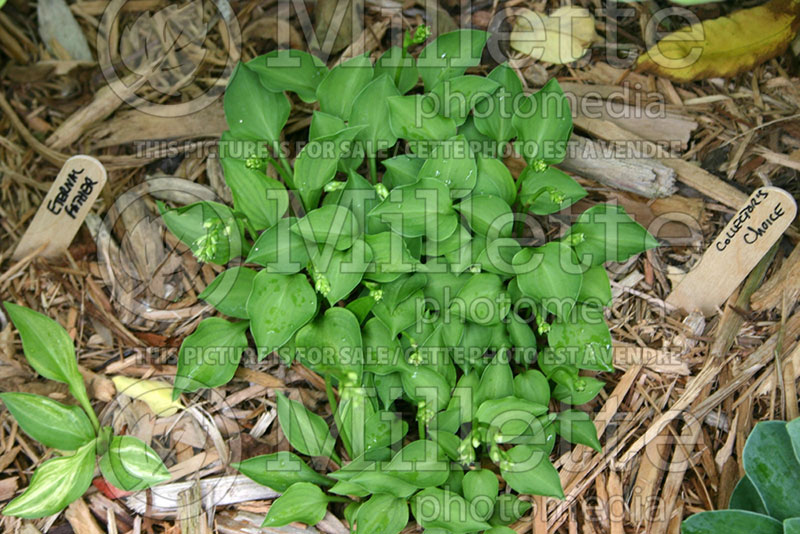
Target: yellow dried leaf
(157,395)
(724,46)
(562,37)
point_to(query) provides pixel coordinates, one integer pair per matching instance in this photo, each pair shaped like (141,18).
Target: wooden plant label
(735,251)
(64,208)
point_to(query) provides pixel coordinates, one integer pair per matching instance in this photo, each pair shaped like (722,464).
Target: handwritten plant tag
(736,250)
(64,208)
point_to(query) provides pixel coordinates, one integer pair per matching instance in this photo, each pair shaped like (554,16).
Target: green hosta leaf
(209,357)
(49,422)
(332,226)
(463,397)
(511,417)
(131,465)
(494,115)
(452,163)
(487,215)
(290,70)
(414,118)
(401,170)
(342,269)
(443,287)
(350,512)
(730,522)
(482,299)
(480,489)
(582,338)
(793,428)
(529,471)
(550,275)
(279,249)
(382,514)
(376,482)
(383,354)
(449,55)
(389,388)
(420,463)
(543,123)
(369,461)
(400,316)
(424,384)
(229,291)
(484,146)
(332,344)
(371,110)
(49,350)
(458,239)
(324,125)
(576,427)
(336,91)
(771,466)
(571,388)
(317,162)
(279,471)
(458,96)
(791,526)
(55,484)
(595,289)
(548,191)
(745,497)
(494,178)
(251,111)
(303,502)
(423,208)
(209,229)
(361,307)
(279,306)
(390,256)
(606,233)
(499,530)
(533,386)
(497,380)
(359,196)
(306,431)
(523,339)
(263,200)
(383,429)
(508,509)
(400,67)
(438,508)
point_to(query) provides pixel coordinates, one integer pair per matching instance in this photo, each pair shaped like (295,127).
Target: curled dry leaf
(724,46)
(157,395)
(561,37)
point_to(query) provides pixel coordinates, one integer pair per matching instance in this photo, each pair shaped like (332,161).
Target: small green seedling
(126,462)
(766,500)
(419,294)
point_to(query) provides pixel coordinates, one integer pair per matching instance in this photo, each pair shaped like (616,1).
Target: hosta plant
(125,461)
(396,258)
(766,499)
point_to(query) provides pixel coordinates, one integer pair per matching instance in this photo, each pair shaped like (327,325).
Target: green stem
(331,396)
(421,428)
(373,169)
(289,176)
(83,400)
